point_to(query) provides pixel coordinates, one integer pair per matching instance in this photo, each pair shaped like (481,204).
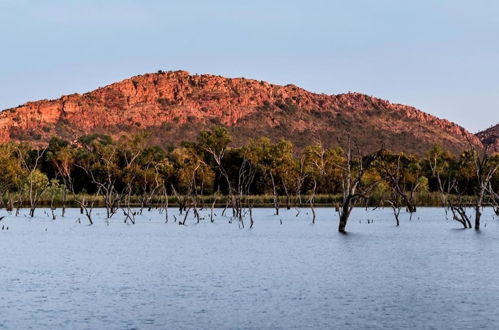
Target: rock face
(174,106)
(490,138)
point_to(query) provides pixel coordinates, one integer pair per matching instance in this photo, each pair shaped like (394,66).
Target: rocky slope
(174,106)
(490,138)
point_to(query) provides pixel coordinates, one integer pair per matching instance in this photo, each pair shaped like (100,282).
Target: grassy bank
(322,200)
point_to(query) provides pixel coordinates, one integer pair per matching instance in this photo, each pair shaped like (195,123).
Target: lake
(426,274)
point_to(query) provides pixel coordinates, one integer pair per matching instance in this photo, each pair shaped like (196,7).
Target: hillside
(174,106)
(490,138)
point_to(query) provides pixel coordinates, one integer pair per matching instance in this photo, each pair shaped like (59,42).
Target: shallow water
(425,274)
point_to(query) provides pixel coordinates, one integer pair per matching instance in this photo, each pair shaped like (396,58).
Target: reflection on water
(426,273)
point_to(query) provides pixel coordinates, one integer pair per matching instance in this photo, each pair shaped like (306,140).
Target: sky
(441,56)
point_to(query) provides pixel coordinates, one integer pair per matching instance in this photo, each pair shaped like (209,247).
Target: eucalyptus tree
(62,156)
(274,160)
(35,182)
(11,173)
(214,144)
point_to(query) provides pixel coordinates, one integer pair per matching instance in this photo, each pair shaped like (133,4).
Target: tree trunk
(344,214)
(343,222)
(274,190)
(478,215)
(478,206)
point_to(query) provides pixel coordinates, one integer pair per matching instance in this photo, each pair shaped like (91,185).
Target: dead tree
(314,166)
(246,175)
(396,207)
(352,186)
(165,194)
(86,206)
(274,192)
(312,199)
(37,182)
(105,165)
(494,198)
(444,169)
(392,172)
(63,161)
(300,180)
(485,167)
(149,186)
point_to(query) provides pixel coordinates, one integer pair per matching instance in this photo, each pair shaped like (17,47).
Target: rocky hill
(174,106)
(490,138)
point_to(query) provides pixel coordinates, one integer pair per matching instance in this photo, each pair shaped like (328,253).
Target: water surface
(426,274)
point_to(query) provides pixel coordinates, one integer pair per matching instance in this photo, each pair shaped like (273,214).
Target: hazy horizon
(437,57)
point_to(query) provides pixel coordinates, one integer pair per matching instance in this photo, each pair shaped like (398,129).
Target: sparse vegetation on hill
(248,108)
(490,138)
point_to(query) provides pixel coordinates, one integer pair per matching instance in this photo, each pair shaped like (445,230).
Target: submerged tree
(355,185)
(35,182)
(404,176)
(484,166)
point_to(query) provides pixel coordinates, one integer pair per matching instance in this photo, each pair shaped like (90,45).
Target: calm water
(426,274)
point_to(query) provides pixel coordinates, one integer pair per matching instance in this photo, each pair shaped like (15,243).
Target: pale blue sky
(440,56)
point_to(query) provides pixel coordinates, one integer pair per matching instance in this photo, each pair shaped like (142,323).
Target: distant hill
(490,138)
(174,106)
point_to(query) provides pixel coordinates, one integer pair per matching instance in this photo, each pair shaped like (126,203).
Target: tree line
(128,174)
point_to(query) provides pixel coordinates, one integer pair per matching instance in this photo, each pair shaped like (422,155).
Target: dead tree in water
(485,167)
(494,198)
(213,203)
(192,173)
(354,185)
(274,192)
(36,181)
(300,180)
(151,183)
(86,206)
(246,175)
(458,205)
(53,190)
(312,198)
(102,168)
(403,174)
(396,207)
(444,168)
(473,172)
(165,205)
(314,168)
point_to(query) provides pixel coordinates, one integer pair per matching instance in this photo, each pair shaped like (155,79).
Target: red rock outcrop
(490,138)
(174,106)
